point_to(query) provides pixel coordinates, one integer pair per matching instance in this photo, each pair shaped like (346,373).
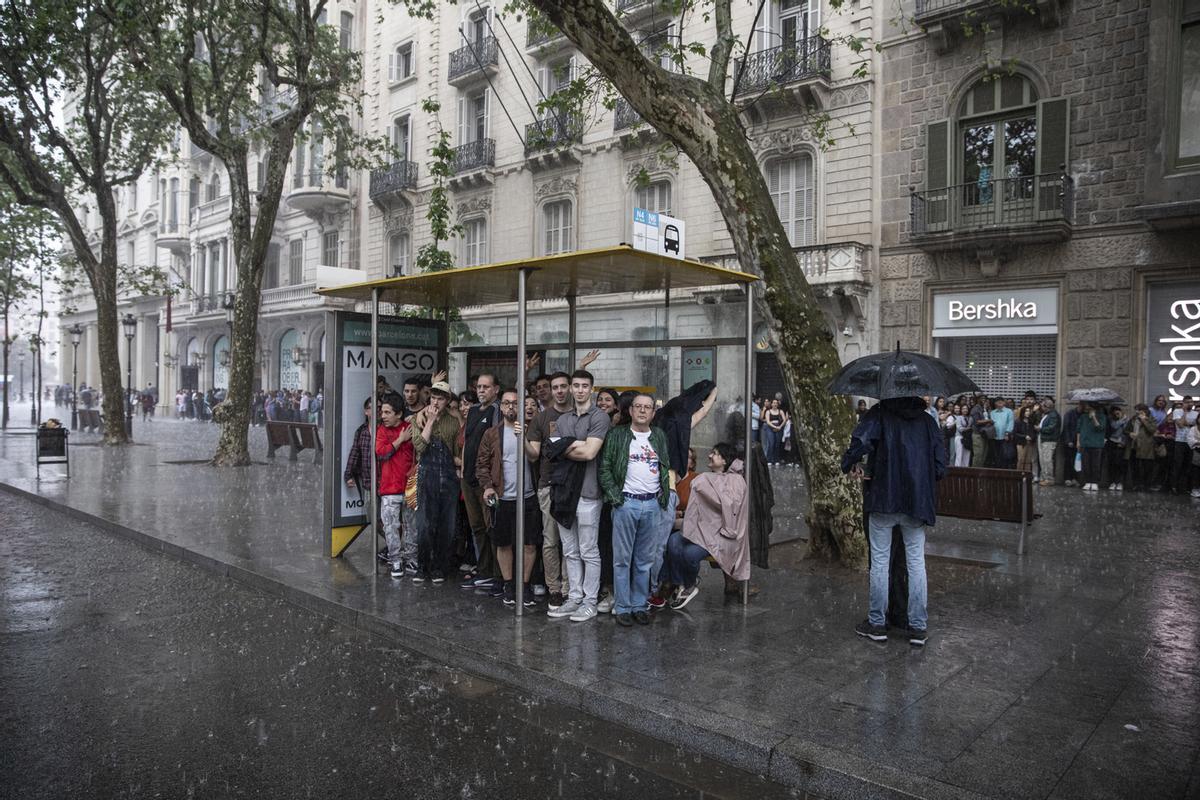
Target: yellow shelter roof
(584,272)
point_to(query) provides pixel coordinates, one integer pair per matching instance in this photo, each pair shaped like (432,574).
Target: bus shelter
(570,277)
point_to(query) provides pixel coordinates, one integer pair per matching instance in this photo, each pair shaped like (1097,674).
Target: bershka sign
(1173,340)
(1000,309)
(996,312)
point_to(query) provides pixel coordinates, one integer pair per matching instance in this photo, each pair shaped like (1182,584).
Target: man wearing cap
(436,448)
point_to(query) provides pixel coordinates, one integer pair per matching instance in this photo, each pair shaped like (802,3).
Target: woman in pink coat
(715,524)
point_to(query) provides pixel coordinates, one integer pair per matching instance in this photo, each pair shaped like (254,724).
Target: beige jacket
(718,519)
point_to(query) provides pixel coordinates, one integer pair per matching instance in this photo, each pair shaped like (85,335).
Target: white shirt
(642,474)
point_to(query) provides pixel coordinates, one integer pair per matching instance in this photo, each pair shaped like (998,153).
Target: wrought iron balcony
(390,181)
(1022,208)
(540,31)
(781,66)
(624,116)
(472,59)
(479,154)
(552,132)
(940,18)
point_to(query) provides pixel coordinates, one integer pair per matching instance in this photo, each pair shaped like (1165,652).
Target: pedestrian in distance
(1089,440)
(905,458)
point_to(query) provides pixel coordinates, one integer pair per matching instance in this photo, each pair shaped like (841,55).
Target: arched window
(997,138)
(790,181)
(193,350)
(289,370)
(998,160)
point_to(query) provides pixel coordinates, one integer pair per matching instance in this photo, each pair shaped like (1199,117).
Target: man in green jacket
(634,479)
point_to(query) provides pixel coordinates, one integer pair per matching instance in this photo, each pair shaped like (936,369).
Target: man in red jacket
(394,449)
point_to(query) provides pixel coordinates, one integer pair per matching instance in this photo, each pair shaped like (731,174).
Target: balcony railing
(475,56)
(555,131)
(400,176)
(316,178)
(540,31)
(289,294)
(781,66)
(1025,200)
(475,155)
(836,262)
(624,6)
(172,227)
(624,116)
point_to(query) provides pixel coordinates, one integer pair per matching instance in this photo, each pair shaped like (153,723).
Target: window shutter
(487,113)
(463,127)
(814,17)
(391,67)
(808,187)
(572,69)
(1053,134)
(937,159)
(543,84)
(667,59)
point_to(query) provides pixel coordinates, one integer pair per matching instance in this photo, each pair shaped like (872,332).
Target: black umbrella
(1099,395)
(900,374)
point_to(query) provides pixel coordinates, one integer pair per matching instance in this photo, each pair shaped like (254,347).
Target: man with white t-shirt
(634,467)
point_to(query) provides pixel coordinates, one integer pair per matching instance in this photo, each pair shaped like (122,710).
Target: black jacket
(478,421)
(566,481)
(675,419)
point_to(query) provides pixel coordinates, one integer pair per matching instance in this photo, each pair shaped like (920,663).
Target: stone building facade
(1032,162)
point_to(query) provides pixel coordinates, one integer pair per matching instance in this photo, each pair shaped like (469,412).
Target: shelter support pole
(374,506)
(748,432)
(572,319)
(518,572)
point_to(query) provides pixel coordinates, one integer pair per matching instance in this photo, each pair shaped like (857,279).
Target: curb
(785,759)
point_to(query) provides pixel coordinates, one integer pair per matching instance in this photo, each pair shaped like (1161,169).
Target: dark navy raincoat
(906,458)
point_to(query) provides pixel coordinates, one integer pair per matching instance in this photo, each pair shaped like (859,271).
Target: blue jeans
(437,504)
(635,532)
(881,556)
(661,536)
(683,558)
(770,443)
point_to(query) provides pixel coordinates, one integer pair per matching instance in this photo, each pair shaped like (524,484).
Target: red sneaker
(656,602)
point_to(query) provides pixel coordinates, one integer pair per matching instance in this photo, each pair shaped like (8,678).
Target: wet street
(127,674)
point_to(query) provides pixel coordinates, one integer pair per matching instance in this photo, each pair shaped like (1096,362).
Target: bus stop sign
(658,233)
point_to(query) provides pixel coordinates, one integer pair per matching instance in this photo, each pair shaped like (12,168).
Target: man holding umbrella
(905,458)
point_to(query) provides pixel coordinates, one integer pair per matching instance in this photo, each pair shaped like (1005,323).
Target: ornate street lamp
(76,332)
(129,323)
(299,355)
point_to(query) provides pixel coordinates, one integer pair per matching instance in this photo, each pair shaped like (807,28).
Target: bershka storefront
(1172,364)
(1006,340)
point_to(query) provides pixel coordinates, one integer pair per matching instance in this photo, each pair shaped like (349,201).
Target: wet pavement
(1071,672)
(124,674)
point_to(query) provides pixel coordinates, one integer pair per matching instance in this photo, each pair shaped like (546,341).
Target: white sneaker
(585,613)
(1118,487)
(568,608)
(607,600)
(1195,492)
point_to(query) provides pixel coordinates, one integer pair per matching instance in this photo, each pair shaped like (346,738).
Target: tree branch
(718,68)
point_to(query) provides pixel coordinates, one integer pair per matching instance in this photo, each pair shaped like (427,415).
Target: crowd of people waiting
(617,518)
(1090,445)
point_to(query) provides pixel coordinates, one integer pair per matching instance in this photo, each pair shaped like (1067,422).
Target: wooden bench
(295,436)
(1003,495)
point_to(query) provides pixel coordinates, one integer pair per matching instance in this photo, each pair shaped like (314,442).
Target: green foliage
(431,257)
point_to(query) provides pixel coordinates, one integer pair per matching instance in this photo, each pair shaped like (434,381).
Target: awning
(581,273)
